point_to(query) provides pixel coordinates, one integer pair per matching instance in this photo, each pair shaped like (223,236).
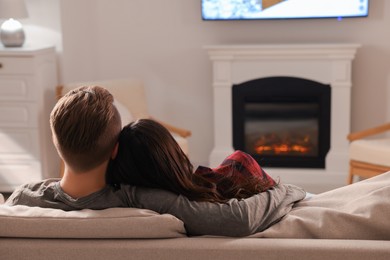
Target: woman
(149,156)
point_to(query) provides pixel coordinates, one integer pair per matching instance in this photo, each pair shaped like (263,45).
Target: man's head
(85,125)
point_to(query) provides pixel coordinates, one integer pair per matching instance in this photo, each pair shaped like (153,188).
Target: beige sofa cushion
(35,222)
(357,211)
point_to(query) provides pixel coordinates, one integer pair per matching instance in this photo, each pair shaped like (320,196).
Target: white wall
(161,42)
(43,25)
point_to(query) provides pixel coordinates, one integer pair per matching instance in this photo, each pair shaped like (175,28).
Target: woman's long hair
(149,156)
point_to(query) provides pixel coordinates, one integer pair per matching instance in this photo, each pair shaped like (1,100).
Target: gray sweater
(235,218)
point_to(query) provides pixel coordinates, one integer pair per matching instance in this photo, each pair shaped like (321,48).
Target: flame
(270,145)
(282,148)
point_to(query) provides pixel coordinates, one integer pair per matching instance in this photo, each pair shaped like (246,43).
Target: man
(85,126)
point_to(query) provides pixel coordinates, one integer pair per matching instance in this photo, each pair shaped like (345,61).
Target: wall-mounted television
(282,9)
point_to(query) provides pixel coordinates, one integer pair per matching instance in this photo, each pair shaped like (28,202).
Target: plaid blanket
(238,176)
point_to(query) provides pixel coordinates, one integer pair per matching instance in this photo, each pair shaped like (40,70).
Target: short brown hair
(85,125)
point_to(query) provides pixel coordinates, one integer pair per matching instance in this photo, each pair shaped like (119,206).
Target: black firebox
(283,121)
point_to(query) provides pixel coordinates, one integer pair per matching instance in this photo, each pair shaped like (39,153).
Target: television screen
(282,9)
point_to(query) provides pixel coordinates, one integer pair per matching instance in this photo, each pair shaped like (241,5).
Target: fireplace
(327,64)
(282,121)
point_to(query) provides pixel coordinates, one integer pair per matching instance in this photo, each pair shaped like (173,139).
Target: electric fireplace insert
(282,121)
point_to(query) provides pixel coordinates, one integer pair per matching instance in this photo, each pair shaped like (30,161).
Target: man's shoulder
(37,185)
(33,192)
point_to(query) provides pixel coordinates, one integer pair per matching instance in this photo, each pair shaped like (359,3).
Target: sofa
(351,222)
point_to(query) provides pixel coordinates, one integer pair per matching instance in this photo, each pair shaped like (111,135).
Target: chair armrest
(368,132)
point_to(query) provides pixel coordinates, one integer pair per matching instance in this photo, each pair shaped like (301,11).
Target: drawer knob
(1,65)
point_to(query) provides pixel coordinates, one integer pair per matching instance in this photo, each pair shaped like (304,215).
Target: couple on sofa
(147,169)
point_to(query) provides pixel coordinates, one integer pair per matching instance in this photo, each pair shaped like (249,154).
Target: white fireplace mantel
(325,63)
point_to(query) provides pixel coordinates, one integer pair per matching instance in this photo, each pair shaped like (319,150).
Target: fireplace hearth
(282,121)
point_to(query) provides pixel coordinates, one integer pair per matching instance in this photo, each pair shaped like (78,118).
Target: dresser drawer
(16,65)
(18,145)
(18,115)
(14,88)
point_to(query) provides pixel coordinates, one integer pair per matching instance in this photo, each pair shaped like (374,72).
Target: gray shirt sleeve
(14,198)
(235,218)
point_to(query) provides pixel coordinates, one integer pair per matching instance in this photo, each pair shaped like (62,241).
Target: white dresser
(28,77)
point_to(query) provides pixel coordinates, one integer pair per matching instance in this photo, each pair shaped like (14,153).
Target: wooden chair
(368,157)
(130,99)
